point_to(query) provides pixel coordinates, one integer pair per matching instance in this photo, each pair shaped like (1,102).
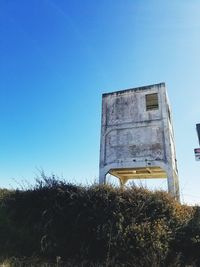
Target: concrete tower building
(137,138)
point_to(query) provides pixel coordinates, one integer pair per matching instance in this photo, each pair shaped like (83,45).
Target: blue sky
(56,59)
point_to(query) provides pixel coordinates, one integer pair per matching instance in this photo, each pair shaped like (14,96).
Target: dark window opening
(169,114)
(152,101)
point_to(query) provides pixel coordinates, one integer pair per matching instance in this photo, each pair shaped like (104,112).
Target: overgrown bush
(98,225)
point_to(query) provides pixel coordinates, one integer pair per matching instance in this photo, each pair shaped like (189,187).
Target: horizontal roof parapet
(135,89)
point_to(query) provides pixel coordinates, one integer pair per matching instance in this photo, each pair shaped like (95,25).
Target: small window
(151,101)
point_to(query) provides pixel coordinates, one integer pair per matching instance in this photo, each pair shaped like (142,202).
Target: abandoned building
(137,138)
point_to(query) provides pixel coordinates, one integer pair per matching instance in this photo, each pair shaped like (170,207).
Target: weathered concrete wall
(133,137)
(136,143)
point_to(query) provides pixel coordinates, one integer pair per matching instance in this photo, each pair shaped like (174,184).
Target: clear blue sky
(56,59)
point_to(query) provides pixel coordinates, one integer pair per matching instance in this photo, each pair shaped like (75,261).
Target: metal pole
(198,131)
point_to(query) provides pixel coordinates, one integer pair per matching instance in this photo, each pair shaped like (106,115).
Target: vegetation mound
(97,226)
